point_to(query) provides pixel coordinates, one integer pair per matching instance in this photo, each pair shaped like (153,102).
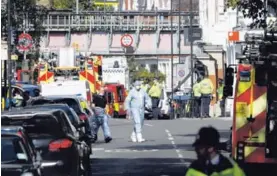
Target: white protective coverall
(135,104)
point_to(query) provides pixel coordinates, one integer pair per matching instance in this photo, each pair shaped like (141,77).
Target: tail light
(83,117)
(60,144)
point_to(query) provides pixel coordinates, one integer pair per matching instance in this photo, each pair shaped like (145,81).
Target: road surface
(167,151)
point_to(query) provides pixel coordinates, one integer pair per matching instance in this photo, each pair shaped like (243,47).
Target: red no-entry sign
(126,40)
(25,42)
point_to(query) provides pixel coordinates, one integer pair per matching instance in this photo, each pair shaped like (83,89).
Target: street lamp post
(179,28)
(9,53)
(77,6)
(191,44)
(171,25)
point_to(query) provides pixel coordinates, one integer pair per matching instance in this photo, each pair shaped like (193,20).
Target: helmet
(207,136)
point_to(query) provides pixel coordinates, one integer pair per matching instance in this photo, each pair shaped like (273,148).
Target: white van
(79,88)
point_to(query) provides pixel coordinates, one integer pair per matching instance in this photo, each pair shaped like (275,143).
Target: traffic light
(227,91)
(229,76)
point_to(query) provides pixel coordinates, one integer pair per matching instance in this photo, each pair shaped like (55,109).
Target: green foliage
(20,10)
(254,9)
(144,75)
(63,4)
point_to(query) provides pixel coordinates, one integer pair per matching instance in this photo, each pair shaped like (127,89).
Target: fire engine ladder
(66,73)
(118,22)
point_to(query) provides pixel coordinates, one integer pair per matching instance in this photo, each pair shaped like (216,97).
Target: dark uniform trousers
(155,107)
(225,167)
(197,106)
(205,105)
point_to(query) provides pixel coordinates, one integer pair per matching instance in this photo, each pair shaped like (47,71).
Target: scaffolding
(117,21)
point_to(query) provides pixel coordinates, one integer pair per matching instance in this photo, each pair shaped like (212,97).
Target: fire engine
(115,95)
(254,129)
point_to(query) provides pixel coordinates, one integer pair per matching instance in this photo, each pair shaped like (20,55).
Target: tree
(63,4)
(21,10)
(143,74)
(253,9)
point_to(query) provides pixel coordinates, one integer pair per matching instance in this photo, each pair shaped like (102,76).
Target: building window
(153,68)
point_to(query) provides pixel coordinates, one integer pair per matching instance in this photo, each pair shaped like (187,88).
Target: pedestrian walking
(155,93)
(206,90)
(135,104)
(210,162)
(197,98)
(101,117)
(221,98)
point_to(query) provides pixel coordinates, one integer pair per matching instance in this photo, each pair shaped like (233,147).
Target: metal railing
(116,21)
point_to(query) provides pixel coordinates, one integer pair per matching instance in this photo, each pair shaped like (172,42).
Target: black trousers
(205,105)
(196,106)
(222,107)
(155,107)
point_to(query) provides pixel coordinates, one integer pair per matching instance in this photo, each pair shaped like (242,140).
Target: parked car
(73,102)
(18,155)
(53,135)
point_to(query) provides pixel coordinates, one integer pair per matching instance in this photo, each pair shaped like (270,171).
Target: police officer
(221,98)
(197,98)
(135,104)
(209,160)
(145,86)
(206,90)
(155,94)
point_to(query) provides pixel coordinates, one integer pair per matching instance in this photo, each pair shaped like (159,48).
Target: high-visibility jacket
(155,91)
(206,86)
(220,92)
(225,167)
(196,90)
(145,87)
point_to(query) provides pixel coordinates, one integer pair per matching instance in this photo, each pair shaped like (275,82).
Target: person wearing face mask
(101,118)
(135,104)
(210,162)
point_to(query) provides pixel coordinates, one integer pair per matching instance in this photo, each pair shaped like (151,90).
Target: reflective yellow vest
(206,86)
(226,167)
(220,92)
(145,87)
(155,91)
(196,90)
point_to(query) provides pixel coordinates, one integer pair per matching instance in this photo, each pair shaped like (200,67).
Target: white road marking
(213,118)
(148,125)
(97,149)
(130,151)
(180,156)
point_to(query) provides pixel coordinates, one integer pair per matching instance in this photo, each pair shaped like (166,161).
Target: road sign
(25,42)
(126,40)
(233,36)
(181,73)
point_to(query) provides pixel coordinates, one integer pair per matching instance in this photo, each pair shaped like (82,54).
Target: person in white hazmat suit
(135,104)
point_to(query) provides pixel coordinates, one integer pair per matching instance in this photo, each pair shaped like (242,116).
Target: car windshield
(71,103)
(10,148)
(38,125)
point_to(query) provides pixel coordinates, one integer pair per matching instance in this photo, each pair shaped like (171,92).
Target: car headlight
(27,174)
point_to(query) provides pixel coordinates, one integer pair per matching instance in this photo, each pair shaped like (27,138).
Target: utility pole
(179,36)
(191,44)
(77,6)
(171,39)
(9,54)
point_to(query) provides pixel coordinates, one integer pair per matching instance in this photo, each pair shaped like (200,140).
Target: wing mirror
(22,156)
(45,164)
